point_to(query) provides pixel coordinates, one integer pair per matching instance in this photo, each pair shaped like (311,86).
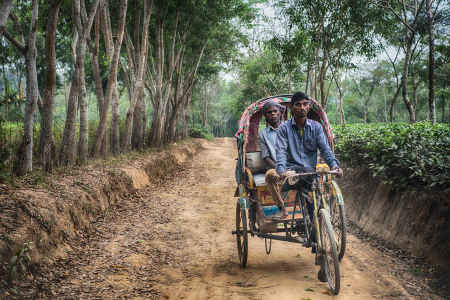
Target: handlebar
(291,177)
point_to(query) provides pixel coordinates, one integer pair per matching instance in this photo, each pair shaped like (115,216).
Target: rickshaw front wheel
(329,260)
(241,234)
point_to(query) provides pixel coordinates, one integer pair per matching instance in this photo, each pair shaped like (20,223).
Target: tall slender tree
(47,146)
(138,61)
(24,158)
(111,86)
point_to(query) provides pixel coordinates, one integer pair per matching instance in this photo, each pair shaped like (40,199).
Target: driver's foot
(321,275)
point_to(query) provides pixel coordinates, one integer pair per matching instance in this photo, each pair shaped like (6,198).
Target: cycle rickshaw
(326,231)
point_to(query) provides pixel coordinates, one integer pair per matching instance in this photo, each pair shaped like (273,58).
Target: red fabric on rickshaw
(252,138)
(250,118)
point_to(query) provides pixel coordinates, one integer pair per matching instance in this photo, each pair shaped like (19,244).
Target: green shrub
(198,131)
(401,154)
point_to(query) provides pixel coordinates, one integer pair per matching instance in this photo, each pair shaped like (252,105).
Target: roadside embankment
(39,216)
(416,221)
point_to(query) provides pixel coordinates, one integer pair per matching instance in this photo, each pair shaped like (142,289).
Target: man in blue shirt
(298,140)
(267,142)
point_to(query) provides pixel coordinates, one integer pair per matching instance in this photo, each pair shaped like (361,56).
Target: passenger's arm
(263,146)
(281,150)
(265,152)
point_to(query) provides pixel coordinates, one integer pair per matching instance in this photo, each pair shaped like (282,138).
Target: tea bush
(401,154)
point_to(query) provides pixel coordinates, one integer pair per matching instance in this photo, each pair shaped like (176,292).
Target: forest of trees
(364,61)
(82,79)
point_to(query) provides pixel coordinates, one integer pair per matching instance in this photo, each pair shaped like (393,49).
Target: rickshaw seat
(259,179)
(254,162)
(257,167)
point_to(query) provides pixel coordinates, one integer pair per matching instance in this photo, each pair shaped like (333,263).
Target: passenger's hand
(338,171)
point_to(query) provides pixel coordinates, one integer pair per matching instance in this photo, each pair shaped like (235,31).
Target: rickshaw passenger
(267,142)
(298,140)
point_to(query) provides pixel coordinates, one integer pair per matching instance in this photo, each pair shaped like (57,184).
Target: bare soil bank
(39,218)
(416,221)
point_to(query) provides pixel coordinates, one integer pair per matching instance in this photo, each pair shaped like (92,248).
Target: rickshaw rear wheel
(241,234)
(330,261)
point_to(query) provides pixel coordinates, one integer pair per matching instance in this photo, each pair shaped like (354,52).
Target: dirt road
(175,243)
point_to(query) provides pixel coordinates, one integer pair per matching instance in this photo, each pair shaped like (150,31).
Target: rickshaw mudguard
(337,192)
(239,162)
(243,199)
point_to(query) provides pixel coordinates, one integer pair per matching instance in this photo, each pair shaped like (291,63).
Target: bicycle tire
(241,235)
(339,222)
(340,229)
(330,261)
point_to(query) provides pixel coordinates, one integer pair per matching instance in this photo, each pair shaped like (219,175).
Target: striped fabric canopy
(253,114)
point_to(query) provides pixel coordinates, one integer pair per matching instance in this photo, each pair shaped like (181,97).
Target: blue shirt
(267,142)
(299,151)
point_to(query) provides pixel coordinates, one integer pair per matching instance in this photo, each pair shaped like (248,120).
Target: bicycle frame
(318,189)
(318,198)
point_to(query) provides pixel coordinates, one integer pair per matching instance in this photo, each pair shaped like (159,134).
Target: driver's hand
(338,171)
(289,173)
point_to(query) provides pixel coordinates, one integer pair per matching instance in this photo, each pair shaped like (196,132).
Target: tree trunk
(5,9)
(83,100)
(315,69)
(156,130)
(172,127)
(111,85)
(115,124)
(322,75)
(94,52)
(385,106)
(431,100)
(138,84)
(409,107)
(67,151)
(84,118)
(77,95)
(144,121)
(205,108)
(364,111)
(138,122)
(24,162)
(391,108)
(187,98)
(308,74)
(47,146)
(443,110)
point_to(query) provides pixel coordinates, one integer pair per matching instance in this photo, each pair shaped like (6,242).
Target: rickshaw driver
(296,150)
(298,140)
(267,141)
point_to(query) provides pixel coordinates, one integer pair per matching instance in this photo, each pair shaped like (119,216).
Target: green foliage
(18,264)
(400,154)
(200,132)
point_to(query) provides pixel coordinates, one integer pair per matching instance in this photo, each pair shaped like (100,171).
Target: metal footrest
(291,239)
